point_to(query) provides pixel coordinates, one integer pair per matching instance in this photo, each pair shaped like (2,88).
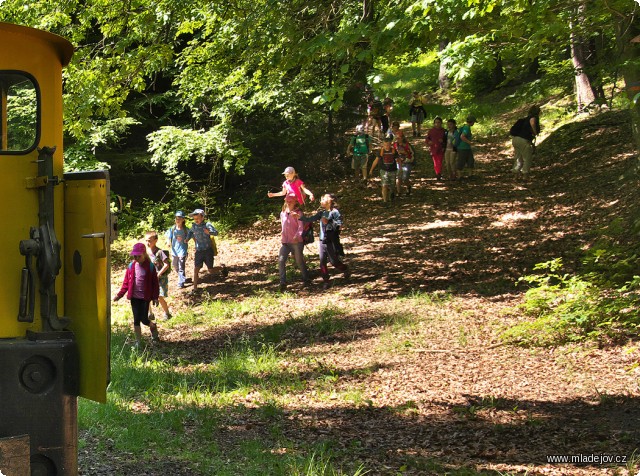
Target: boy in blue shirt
(201,232)
(178,235)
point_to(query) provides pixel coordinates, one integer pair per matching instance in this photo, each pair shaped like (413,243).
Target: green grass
(164,408)
(165,405)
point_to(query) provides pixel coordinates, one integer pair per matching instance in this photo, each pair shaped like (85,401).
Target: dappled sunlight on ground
(402,364)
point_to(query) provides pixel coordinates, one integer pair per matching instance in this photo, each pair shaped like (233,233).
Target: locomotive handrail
(94,235)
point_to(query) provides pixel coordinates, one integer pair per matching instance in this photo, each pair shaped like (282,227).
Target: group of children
(146,278)
(293,219)
(450,148)
(396,158)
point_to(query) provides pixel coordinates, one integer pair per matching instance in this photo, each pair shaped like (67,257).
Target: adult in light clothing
(524,134)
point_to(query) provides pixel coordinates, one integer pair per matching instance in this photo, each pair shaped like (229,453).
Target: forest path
(414,333)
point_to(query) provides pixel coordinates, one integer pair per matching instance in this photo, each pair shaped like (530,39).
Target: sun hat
(197,211)
(179,214)
(289,170)
(138,249)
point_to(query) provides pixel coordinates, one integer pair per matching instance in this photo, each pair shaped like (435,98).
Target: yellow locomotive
(55,236)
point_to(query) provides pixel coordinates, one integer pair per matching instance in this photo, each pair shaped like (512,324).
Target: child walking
(406,159)
(292,184)
(435,140)
(452,138)
(160,260)
(141,287)
(359,146)
(417,113)
(465,150)
(178,236)
(292,243)
(330,223)
(388,168)
(201,232)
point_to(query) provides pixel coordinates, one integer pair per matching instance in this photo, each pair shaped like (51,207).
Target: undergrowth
(599,302)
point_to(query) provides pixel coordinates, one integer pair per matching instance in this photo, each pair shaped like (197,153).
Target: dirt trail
(455,397)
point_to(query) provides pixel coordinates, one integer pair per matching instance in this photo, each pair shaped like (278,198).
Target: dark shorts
(204,257)
(465,159)
(140,309)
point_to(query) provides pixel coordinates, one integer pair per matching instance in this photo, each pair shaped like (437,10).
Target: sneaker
(326,285)
(167,316)
(152,317)
(181,286)
(155,337)
(224,271)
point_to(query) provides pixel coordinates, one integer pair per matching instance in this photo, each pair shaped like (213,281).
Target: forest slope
(414,333)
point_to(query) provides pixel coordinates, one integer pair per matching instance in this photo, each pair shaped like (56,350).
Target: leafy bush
(570,308)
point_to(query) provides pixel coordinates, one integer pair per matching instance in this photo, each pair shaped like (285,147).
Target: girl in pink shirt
(292,185)
(291,240)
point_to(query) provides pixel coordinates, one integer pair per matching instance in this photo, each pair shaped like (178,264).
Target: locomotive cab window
(19,105)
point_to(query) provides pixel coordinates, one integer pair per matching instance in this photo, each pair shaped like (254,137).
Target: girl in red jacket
(436,141)
(141,286)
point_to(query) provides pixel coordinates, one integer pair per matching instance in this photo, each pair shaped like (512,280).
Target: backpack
(519,126)
(307,233)
(361,147)
(160,264)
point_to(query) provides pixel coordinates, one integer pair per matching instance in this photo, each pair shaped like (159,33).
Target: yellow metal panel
(42,56)
(87,276)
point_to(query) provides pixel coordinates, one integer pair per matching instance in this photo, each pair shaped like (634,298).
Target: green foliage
(613,259)
(219,92)
(21,123)
(568,308)
(172,146)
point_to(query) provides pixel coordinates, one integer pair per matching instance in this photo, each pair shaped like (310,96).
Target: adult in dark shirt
(523,141)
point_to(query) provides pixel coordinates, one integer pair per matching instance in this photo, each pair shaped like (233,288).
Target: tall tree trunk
(579,52)
(534,68)
(497,74)
(443,77)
